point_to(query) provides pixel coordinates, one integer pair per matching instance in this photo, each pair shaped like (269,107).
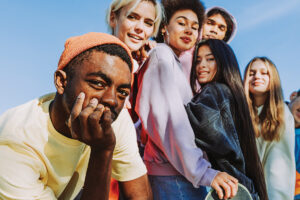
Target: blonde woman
(274,127)
(134,22)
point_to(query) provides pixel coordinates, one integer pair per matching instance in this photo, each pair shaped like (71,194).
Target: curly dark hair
(172,6)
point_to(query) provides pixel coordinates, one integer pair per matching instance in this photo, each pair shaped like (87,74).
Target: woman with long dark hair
(274,127)
(177,169)
(220,116)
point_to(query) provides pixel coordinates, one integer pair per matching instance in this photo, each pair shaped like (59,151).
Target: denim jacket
(211,114)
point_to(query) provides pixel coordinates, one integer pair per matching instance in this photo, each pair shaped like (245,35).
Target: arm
(279,163)
(98,176)
(137,189)
(160,107)
(92,125)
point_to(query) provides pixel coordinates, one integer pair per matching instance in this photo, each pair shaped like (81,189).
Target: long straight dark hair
(228,73)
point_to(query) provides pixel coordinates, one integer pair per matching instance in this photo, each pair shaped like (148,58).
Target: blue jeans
(175,188)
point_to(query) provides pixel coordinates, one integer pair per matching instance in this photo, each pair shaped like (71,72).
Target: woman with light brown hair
(273,124)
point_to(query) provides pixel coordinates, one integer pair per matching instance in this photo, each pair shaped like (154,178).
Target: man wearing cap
(53,146)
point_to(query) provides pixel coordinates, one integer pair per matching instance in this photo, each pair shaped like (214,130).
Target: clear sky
(33,33)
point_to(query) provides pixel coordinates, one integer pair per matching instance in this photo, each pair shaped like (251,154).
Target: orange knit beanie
(78,44)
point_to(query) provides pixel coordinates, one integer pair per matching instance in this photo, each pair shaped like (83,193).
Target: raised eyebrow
(186,19)
(128,86)
(101,75)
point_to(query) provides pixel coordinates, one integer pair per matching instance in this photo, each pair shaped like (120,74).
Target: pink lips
(186,39)
(257,83)
(210,37)
(201,75)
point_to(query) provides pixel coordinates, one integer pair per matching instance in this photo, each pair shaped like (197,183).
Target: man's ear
(293,96)
(60,81)
(113,20)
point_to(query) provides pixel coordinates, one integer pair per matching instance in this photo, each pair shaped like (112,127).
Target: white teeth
(203,73)
(135,37)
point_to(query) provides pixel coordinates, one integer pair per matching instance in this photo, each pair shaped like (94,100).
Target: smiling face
(101,76)
(134,28)
(258,78)
(182,31)
(215,27)
(206,67)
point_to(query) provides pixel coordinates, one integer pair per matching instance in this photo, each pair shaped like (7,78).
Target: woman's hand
(226,182)
(142,54)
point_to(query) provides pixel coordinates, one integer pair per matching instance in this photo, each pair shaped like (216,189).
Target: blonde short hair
(117,5)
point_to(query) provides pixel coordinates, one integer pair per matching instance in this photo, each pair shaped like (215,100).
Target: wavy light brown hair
(271,120)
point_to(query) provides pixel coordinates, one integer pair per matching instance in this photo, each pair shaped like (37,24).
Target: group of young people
(201,123)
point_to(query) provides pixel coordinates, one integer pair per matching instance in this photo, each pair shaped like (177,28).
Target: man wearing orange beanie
(79,137)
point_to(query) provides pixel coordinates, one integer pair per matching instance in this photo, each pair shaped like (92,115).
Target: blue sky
(33,33)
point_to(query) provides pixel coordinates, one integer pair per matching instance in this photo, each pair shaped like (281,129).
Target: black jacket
(211,114)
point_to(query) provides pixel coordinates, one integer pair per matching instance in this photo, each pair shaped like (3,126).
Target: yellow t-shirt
(37,162)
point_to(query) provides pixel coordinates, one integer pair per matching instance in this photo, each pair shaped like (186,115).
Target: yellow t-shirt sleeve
(20,172)
(127,163)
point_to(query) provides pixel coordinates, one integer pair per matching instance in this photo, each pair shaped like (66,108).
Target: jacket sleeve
(20,172)
(161,110)
(279,163)
(211,118)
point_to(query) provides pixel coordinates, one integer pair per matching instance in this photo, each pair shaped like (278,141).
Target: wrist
(107,150)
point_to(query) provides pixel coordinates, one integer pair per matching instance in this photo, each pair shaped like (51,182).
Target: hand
(142,54)
(227,182)
(92,124)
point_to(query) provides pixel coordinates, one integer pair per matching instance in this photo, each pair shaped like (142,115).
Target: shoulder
(31,116)
(216,90)
(216,87)
(161,59)
(289,124)
(17,117)
(162,52)
(288,115)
